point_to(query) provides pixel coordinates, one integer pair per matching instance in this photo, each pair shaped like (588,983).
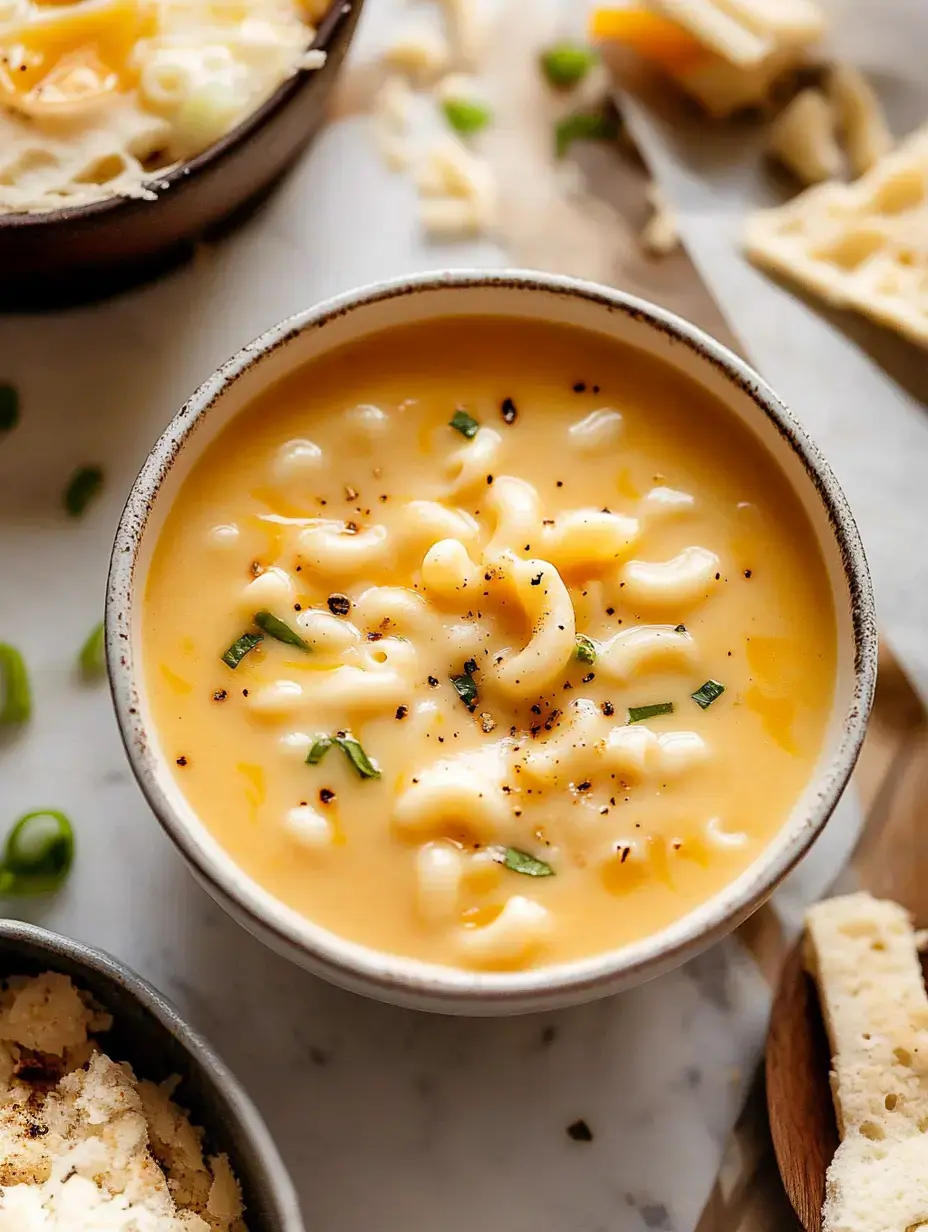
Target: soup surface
(546,654)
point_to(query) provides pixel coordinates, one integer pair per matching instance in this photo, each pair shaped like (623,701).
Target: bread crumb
(84,1145)
(46,1014)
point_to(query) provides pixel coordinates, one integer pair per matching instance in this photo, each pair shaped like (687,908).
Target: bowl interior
(148,1033)
(525,297)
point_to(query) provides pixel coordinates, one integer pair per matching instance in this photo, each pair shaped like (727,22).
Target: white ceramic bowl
(524,296)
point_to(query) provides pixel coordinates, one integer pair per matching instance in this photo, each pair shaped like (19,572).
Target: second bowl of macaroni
(489,642)
(131,128)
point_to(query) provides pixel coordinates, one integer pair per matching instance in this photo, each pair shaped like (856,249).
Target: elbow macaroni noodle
(530,796)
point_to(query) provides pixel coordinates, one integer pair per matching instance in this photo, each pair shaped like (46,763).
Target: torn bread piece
(862,955)
(862,245)
(803,138)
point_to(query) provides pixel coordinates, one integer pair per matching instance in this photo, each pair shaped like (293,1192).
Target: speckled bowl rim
(265,1156)
(410,981)
(327,32)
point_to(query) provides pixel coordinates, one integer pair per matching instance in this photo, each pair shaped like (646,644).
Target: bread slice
(862,954)
(862,245)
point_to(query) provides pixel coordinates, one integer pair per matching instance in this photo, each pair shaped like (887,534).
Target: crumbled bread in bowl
(863,956)
(84,1145)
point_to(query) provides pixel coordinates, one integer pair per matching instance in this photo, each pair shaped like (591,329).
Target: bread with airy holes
(862,954)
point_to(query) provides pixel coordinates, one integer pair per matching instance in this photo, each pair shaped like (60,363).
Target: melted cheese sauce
(527,810)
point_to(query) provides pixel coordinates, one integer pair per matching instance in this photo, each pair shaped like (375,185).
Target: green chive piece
(280,630)
(320,747)
(465,424)
(584,126)
(9,407)
(356,755)
(83,486)
(466,116)
(586,649)
(637,713)
(15,693)
(566,64)
(352,749)
(38,854)
(466,687)
(706,694)
(680,629)
(239,648)
(522,862)
(92,657)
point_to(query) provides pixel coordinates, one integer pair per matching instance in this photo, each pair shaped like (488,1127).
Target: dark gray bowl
(149,1034)
(73,255)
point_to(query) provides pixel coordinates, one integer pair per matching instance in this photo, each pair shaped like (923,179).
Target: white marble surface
(388,1119)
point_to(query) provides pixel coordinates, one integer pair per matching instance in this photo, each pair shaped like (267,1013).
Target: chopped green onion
(239,648)
(466,116)
(15,694)
(466,687)
(9,407)
(358,758)
(319,749)
(82,487)
(38,853)
(584,126)
(522,862)
(637,713)
(92,658)
(465,424)
(586,649)
(567,64)
(706,694)
(280,630)
(680,629)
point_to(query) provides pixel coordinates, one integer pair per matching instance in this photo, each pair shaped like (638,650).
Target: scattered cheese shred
(802,137)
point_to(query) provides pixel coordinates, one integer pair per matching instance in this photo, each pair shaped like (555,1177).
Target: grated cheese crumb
(85,1146)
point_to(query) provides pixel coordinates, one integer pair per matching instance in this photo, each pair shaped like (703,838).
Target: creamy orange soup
(547,649)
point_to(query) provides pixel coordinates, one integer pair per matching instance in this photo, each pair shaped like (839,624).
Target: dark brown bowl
(149,1033)
(73,255)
